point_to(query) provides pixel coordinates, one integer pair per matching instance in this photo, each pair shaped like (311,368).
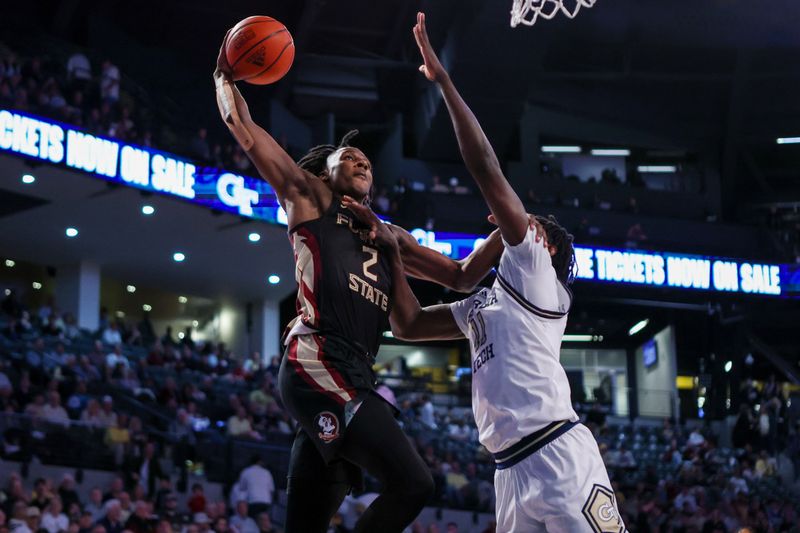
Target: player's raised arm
(409,321)
(462,276)
(476,150)
(290,182)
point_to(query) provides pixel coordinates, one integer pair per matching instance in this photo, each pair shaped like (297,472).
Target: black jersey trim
(538,311)
(531,444)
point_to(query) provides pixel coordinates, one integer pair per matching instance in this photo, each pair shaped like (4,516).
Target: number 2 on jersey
(373,258)
(477,328)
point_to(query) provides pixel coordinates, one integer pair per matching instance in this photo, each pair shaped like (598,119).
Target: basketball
(260,50)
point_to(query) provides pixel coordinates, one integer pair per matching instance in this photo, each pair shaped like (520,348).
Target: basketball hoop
(528,11)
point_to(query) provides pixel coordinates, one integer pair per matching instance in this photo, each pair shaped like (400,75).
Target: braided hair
(564,258)
(316,159)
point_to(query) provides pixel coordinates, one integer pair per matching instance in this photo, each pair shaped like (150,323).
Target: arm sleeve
(460,310)
(528,255)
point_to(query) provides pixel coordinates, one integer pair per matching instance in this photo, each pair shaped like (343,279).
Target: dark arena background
(147,276)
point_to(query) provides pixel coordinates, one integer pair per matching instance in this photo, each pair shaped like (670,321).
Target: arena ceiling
(720,74)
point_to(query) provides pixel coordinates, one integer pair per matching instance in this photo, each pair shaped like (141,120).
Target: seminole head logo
(328,426)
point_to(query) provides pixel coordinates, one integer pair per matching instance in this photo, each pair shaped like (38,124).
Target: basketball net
(528,11)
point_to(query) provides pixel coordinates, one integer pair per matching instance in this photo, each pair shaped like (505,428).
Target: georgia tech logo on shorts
(328,426)
(601,512)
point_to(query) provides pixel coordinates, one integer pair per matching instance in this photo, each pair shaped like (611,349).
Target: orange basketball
(260,50)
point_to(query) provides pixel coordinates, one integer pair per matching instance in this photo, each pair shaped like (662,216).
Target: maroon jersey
(344,280)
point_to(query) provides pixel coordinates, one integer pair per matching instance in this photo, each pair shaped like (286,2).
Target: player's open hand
(541,236)
(378,231)
(432,67)
(223,68)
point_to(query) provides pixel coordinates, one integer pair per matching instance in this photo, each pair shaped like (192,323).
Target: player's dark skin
(349,172)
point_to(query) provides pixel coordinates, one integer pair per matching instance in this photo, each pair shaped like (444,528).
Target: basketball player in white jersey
(550,476)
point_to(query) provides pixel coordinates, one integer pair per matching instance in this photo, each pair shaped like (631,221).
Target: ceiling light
(72,232)
(36,285)
(657,169)
(120,314)
(254,237)
(639,326)
(27,179)
(611,151)
(181,335)
(148,210)
(178,257)
(728,366)
(147,308)
(788,140)
(8,292)
(10,263)
(551,149)
(274,280)
(195,323)
(183,299)
(131,288)
(577,338)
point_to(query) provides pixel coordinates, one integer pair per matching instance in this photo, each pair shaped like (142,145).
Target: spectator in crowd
(239,425)
(19,518)
(95,504)
(53,412)
(265,524)
(199,145)
(261,399)
(197,501)
(258,487)
(53,520)
(107,417)
(426,416)
(241,521)
(79,71)
(35,409)
(67,492)
(147,470)
(117,438)
(140,521)
(111,335)
(274,367)
(33,519)
(109,90)
(438,187)
(85,522)
(112,521)
(635,236)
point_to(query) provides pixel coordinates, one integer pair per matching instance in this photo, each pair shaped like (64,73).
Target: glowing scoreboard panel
(137,166)
(156,171)
(654,269)
(678,271)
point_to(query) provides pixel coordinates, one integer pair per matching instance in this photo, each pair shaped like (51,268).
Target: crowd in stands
(94,98)
(54,375)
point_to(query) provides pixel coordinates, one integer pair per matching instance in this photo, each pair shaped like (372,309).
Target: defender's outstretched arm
(477,152)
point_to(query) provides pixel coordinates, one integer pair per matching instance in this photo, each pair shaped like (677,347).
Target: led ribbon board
(137,166)
(156,171)
(655,269)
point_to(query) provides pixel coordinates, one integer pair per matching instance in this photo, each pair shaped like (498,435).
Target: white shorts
(563,487)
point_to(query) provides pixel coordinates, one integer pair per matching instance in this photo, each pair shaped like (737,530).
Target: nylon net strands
(527,12)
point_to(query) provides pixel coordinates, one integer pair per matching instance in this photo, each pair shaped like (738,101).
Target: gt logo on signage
(601,512)
(233,193)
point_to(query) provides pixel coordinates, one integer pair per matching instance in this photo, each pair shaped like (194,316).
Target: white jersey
(515,330)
